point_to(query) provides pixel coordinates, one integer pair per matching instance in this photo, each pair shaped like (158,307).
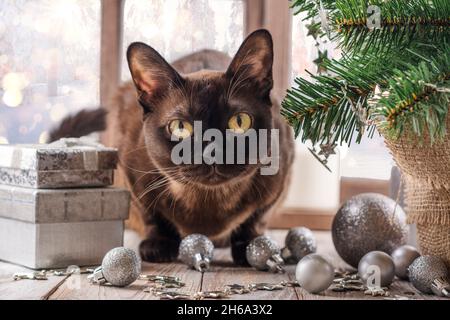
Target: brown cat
(226,202)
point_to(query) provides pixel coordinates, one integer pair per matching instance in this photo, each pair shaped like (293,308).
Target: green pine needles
(394,73)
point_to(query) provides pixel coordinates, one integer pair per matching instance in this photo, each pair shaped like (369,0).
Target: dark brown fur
(80,124)
(169,201)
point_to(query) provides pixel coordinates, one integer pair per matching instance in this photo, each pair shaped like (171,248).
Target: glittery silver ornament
(314,273)
(264,254)
(196,250)
(403,257)
(120,267)
(430,275)
(299,243)
(376,269)
(368,222)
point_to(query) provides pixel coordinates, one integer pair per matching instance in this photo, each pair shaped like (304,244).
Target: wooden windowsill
(310,218)
(322,219)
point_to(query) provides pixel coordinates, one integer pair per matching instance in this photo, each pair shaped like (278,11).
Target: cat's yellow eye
(180,129)
(240,122)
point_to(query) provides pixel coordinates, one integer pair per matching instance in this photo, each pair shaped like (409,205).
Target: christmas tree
(393,75)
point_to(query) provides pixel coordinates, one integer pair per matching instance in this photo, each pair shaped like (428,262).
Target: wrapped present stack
(57,206)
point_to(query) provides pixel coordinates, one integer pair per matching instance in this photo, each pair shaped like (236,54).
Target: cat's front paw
(159,250)
(238,252)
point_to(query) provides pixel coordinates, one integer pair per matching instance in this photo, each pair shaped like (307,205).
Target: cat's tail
(80,124)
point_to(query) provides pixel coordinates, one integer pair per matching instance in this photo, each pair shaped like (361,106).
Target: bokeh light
(44,137)
(12,98)
(3,140)
(14,81)
(58,112)
(43,42)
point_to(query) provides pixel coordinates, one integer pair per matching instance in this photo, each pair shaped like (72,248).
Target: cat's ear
(152,75)
(252,64)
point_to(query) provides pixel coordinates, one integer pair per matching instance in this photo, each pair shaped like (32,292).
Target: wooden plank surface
(11,289)
(222,272)
(78,287)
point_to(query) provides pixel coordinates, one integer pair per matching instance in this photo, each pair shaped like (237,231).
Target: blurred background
(57,57)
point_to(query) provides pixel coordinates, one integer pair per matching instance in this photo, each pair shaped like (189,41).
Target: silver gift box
(56,179)
(58,245)
(57,228)
(62,164)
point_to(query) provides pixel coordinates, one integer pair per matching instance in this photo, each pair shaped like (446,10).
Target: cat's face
(175,105)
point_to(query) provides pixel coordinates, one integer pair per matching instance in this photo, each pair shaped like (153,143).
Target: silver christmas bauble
(299,243)
(264,254)
(403,257)
(368,222)
(121,267)
(314,273)
(425,270)
(376,269)
(196,250)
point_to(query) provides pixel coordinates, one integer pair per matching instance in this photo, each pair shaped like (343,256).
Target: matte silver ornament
(120,267)
(430,275)
(196,250)
(376,269)
(314,273)
(264,254)
(299,243)
(368,222)
(403,257)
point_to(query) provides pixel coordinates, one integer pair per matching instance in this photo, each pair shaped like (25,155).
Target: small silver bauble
(429,274)
(403,256)
(314,273)
(299,243)
(120,267)
(264,254)
(376,269)
(196,250)
(368,222)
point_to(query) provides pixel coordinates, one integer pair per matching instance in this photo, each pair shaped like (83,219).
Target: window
(50,52)
(49,64)
(176,28)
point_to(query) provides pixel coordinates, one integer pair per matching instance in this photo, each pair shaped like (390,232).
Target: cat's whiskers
(162,180)
(154,201)
(164,191)
(134,150)
(151,172)
(152,186)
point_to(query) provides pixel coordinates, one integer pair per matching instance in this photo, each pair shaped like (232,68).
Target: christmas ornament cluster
(369,233)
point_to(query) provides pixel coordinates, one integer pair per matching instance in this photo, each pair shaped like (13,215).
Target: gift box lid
(63,205)
(64,154)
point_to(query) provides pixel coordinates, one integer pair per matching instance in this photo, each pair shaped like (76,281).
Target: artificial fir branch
(334,107)
(418,99)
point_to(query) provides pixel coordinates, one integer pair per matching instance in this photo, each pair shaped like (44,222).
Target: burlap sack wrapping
(426,172)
